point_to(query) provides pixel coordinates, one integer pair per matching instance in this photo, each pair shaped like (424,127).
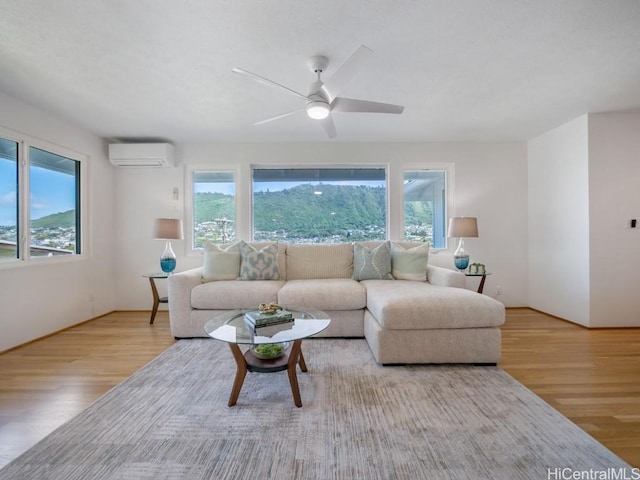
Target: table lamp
(167,229)
(461,228)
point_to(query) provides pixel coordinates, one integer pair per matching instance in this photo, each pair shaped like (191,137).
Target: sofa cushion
(259,264)
(221,262)
(372,263)
(232,294)
(319,260)
(409,263)
(324,294)
(404,305)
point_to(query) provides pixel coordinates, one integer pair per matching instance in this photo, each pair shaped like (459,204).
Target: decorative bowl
(270,351)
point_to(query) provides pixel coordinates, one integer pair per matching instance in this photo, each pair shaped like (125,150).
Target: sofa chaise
(408,310)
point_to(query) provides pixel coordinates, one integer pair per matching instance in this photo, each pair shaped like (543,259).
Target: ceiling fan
(323,98)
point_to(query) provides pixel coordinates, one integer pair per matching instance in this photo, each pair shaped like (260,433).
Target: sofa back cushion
(319,260)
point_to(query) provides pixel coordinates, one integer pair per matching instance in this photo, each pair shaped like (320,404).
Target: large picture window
(214,207)
(323,205)
(39,202)
(424,201)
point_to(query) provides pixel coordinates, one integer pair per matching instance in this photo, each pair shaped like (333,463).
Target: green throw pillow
(259,264)
(221,262)
(409,263)
(372,264)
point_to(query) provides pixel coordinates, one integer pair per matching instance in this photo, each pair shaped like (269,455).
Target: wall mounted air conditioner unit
(142,154)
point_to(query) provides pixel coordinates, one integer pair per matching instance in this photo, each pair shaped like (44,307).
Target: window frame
(189,207)
(24,204)
(443,223)
(394,173)
(449,172)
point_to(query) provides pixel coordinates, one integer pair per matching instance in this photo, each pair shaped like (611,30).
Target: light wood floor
(591,376)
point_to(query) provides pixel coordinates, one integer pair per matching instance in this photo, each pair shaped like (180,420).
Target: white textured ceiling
(482,70)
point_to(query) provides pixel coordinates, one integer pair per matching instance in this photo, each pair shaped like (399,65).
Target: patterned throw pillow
(259,264)
(221,262)
(409,263)
(372,264)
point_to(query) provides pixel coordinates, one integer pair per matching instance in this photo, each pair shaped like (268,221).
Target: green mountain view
(338,213)
(298,212)
(62,219)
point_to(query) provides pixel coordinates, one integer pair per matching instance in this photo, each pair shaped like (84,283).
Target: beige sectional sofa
(421,314)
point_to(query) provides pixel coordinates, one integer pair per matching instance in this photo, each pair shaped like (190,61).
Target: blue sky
(51,192)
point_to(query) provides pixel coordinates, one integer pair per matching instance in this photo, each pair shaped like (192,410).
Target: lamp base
(461,257)
(168,259)
(461,262)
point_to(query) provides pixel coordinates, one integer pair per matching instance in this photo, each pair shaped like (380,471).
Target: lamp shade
(463,227)
(167,229)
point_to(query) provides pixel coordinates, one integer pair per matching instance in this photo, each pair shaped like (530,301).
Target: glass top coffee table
(231,327)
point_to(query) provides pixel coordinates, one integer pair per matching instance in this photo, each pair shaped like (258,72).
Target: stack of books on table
(268,324)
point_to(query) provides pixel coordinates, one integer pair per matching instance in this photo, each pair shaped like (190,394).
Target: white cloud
(8,198)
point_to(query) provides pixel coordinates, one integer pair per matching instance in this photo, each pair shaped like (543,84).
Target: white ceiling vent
(142,154)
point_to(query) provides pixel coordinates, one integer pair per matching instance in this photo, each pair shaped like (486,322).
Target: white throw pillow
(221,262)
(409,263)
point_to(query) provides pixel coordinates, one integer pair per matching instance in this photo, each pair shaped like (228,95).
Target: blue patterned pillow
(372,264)
(259,264)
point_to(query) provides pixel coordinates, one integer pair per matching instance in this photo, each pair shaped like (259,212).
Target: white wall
(490,183)
(584,262)
(614,185)
(42,298)
(558,166)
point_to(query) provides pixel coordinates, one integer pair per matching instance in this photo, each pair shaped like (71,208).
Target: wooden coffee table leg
(241,372)
(301,362)
(294,358)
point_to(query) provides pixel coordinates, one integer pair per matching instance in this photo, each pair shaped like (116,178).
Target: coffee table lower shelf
(248,362)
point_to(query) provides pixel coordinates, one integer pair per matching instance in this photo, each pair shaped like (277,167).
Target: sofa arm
(179,286)
(445,277)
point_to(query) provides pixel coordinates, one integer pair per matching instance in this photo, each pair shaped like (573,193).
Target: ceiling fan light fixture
(317,110)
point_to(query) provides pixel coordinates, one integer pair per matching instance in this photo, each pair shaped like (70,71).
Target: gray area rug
(358,421)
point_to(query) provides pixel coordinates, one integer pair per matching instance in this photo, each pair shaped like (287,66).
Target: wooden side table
(484,277)
(157,299)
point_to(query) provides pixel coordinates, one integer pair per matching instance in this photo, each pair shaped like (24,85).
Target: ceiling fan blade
(329,126)
(363,106)
(277,117)
(333,86)
(266,81)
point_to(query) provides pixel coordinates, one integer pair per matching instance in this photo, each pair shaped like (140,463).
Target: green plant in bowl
(269,350)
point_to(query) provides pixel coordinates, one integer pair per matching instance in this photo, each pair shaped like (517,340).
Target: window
(54,206)
(319,204)
(214,207)
(424,202)
(8,199)
(39,204)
